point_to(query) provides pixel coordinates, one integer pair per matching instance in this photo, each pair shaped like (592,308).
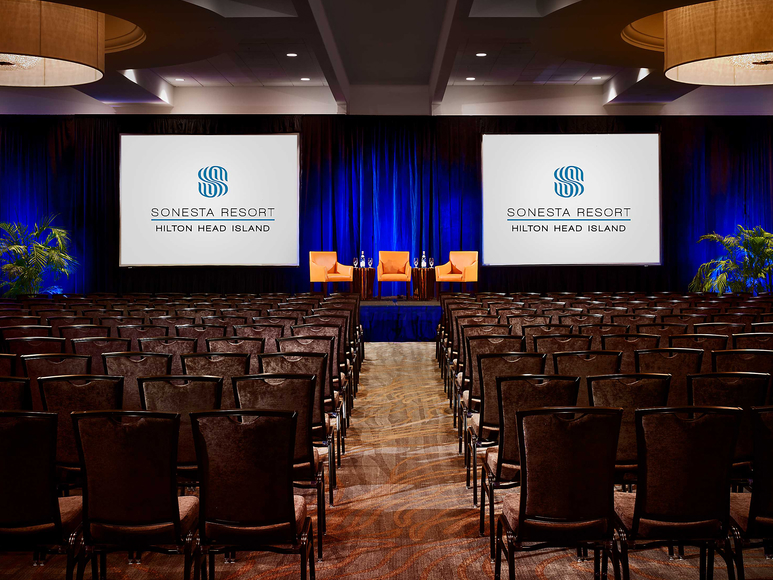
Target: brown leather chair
(130,366)
(501,468)
(628,392)
(234,517)
(32,516)
(130,500)
(566,454)
(69,332)
(753,340)
(683,487)
(219,364)
(285,392)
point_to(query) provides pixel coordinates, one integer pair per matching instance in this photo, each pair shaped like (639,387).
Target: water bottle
(362,259)
(423,259)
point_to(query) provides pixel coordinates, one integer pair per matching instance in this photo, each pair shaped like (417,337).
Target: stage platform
(398,320)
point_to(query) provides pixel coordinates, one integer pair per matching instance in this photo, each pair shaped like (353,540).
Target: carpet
(402,509)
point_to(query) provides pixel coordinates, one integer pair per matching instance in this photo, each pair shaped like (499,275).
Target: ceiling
(376,57)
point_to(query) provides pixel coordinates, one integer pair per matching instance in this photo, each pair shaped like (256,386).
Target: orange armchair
(461,267)
(324,267)
(394,267)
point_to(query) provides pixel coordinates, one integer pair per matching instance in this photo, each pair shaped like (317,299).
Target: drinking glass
(415,262)
(431,262)
(370,262)
(355,261)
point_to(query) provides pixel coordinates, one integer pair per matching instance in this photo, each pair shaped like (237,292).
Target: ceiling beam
(451,36)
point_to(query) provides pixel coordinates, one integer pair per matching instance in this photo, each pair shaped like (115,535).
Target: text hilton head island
(561,219)
(206,219)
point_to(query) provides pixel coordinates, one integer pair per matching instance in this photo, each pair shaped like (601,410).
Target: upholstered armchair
(324,267)
(461,267)
(394,267)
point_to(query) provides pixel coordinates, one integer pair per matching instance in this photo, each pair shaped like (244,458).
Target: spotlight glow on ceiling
(596,78)
(470,78)
(291,54)
(480,54)
(180,80)
(305,79)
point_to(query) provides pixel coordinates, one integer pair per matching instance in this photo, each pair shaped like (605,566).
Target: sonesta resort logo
(569,181)
(213,181)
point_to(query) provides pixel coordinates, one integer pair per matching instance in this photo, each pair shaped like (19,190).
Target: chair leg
(211,567)
(483,504)
(188,563)
(379,289)
(498,558)
(321,520)
(596,564)
(408,295)
(702,573)
(474,450)
(738,552)
(490,510)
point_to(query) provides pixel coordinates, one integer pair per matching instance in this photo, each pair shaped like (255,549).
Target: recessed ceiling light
(305,79)
(180,80)
(470,78)
(596,78)
(291,54)
(480,54)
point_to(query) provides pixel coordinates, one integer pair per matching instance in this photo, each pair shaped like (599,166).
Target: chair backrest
(28,494)
(49,365)
(492,366)
(35,345)
(685,457)
(201,332)
(15,394)
(244,344)
(284,393)
(7,365)
(516,393)
(24,331)
(313,344)
(69,393)
(134,332)
(742,360)
(131,365)
(461,260)
(309,363)
(707,342)
(761,509)
(287,322)
(129,461)
(753,340)
(596,331)
(552,343)
(662,329)
(240,452)
(627,344)
(567,454)
(219,364)
(744,390)
(488,344)
(174,345)
(628,392)
(325,259)
(585,363)
(181,394)
(270,333)
(320,330)
(96,347)
(532,331)
(677,362)
(393,262)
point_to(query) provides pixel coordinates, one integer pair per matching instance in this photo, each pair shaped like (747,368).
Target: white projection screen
(571,199)
(209,200)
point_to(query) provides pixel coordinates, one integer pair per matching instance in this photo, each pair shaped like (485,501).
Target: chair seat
(536,530)
(71,514)
(474,425)
(510,471)
(449,278)
(335,277)
(301,470)
(393,278)
(466,400)
(188,506)
(659,530)
(225,534)
(740,503)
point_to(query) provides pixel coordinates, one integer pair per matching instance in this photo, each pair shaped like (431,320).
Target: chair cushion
(393,278)
(301,470)
(659,530)
(739,509)
(474,424)
(70,513)
(510,471)
(188,506)
(565,532)
(393,262)
(225,534)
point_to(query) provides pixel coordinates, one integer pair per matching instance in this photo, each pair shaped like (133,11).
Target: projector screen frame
(563,265)
(297,135)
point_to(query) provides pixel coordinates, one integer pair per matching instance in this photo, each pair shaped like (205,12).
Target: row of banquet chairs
(502,379)
(328,352)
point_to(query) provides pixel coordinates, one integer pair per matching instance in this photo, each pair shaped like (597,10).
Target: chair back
(707,342)
(489,344)
(492,366)
(677,362)
(252,346)
(596,331)
(516,393)
(221,364)
(240,452)
(174,345)
(310,363)
(201,332)
(135,332)
(7,365)
(325,259)
(15,394)
(49,365)
(28,495)
(70,393)
(628,392)
(313,344)
(461,260)
(744,390)
(585,363)
(96,347)
(742,360)
(627,344)
(322,330)
(270,333)
(567,473)
(753,340)
(34,345)
(393,262)
(129,461)
(685,457)
(131,365)
(181,394)
(284,392)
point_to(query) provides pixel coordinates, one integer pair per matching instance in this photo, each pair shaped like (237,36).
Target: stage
(399,320)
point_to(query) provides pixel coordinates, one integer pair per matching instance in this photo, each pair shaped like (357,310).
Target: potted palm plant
(28,256)
(745,265)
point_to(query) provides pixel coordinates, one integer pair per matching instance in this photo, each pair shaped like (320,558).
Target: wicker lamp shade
(43,44)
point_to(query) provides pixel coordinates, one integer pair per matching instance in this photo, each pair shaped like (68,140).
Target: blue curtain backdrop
(384,183)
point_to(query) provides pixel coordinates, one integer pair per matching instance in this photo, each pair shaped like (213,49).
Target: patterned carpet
(402,510)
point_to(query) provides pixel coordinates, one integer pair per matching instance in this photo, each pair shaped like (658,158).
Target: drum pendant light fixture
(43,44)
(725,43)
